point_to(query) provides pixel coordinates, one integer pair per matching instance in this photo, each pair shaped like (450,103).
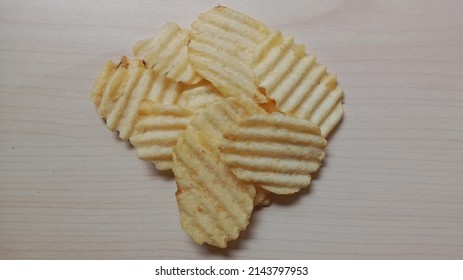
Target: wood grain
(390,188)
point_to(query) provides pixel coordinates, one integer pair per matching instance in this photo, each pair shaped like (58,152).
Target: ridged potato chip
(110,84)
(221,48)
(297,83)
(238,112)
(199,96)
(102,81)
(156,132)
(214,205)
(118,99)
(276,152)
(167,54)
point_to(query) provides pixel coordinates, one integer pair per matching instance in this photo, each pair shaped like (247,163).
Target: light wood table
(390,188)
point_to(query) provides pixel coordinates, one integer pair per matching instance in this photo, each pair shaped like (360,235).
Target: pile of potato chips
(236,110)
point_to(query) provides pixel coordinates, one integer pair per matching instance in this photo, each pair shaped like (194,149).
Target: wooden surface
(391,186)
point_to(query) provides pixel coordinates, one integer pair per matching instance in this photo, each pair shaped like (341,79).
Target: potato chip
(167,54)
(276,152)
(118,99)
(156,132)
(221,48)
(197,97)
(101,82)
(110,84)
(238,112)
(296,82)
(214,205)
(159,125)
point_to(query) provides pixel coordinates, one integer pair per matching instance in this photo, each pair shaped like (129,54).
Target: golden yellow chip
(118,93)
(214,205)
(156,132)
(297,83)
(221,48)
(197,97)
(167,54)
(102,81)
(108,87)
(159,124)
(276,152)
(237,112)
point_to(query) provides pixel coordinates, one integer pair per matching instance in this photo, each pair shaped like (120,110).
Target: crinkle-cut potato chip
(157,130)
(277,152)
(296,82)
(197,97)
(214,205)
(110,84)
(238,112)
(221,48)
(118,92)
(167,54)
(102,81)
